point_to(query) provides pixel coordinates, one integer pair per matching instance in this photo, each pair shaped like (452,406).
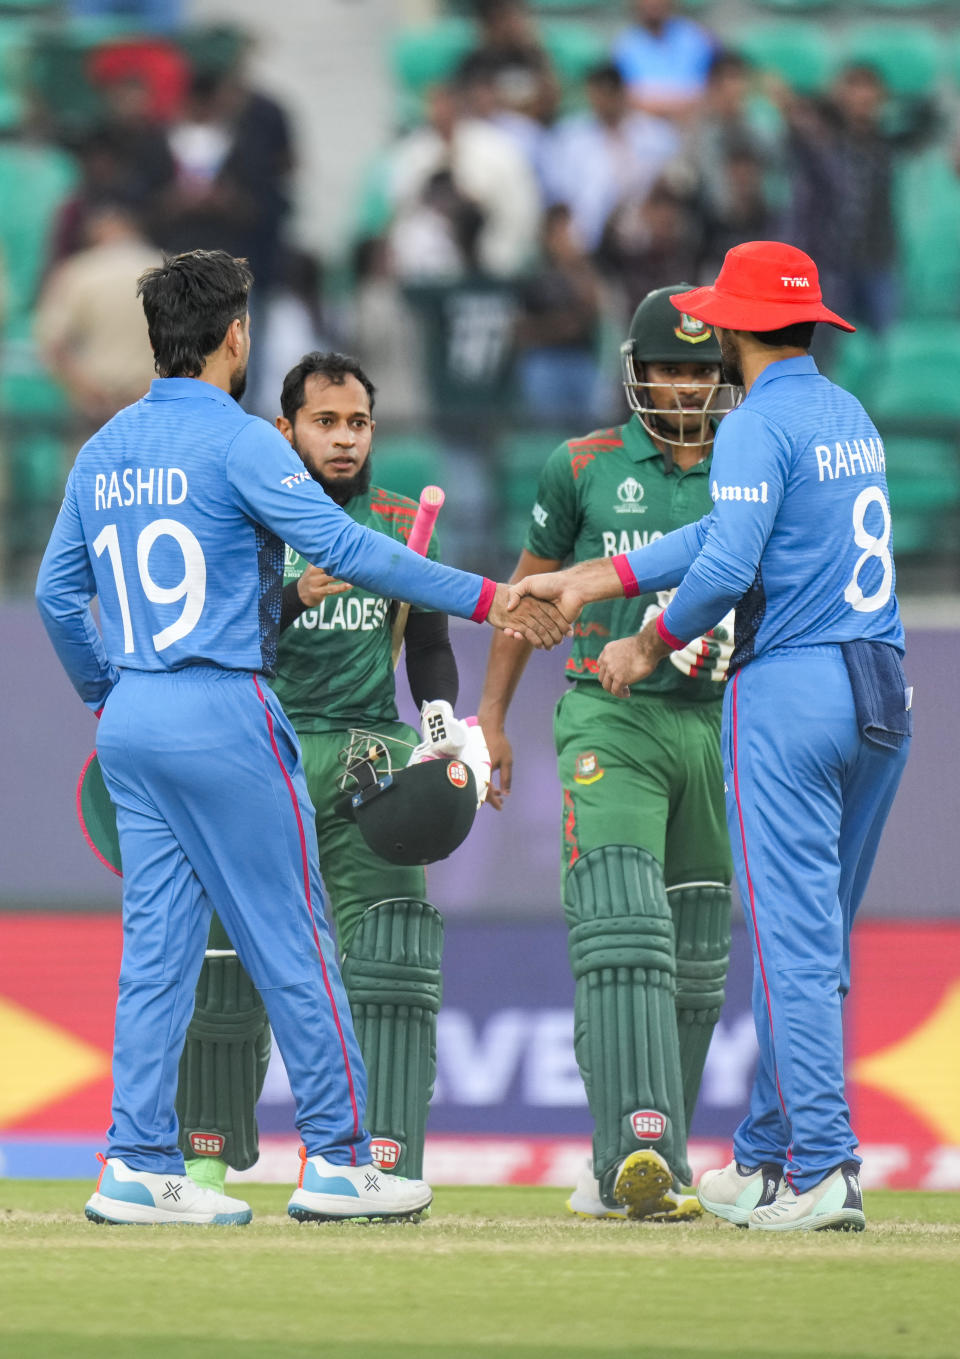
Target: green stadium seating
(853,364)
(574,49)
(14,44)
(915,386)
(910,57)
(801,54)
(923,477)
(927,205)
(520,459)
(35,180)
(405,463)
(424,56)
(796,6)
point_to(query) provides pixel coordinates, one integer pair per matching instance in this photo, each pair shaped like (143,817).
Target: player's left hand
(707,657)
(631,659)
(315,585)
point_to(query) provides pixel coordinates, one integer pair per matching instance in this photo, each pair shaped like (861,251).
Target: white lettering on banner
(729,1070)
(139,486)
(628,541)
(479,1068)
(841,459)
(551,1077)
(755,494)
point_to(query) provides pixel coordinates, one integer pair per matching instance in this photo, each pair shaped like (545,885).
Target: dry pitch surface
(494,1274)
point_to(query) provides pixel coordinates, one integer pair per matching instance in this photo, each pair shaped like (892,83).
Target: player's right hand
(554,586)
(315,585)
(533,620)
(501,758)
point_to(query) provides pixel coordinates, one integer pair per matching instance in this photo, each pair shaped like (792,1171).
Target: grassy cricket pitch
(496,1273)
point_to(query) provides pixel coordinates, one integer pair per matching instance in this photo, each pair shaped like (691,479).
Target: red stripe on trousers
(316,937)
(753,906)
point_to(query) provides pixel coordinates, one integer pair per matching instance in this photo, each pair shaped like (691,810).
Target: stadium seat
(424,56)
(35,180)
(405,463)
(800,53)
(910,57)
(853,364)
(923,477)
(796,6)
(574,49)
(916,384)
(927,206)
(14,43)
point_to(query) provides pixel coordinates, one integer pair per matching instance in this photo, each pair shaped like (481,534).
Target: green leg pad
(224,1062)
(625,1021)
(701,923)
(392,974)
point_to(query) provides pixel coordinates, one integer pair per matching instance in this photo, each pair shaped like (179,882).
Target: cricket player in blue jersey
(175,515)
(816,723)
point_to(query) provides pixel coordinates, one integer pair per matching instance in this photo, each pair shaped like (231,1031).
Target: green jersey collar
(639,447)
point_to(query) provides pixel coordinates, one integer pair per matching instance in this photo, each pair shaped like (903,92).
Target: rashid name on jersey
(178,510)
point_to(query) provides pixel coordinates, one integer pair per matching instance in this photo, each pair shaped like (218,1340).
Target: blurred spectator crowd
(550,166)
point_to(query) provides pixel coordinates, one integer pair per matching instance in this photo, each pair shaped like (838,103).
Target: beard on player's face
(341,489)
(238,382)
(730,367)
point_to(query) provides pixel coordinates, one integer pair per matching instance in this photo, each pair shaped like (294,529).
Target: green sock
(209,1172)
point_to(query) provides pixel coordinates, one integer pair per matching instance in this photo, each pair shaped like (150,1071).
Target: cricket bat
(431,502)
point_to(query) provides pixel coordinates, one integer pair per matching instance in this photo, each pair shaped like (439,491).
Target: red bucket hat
(763,285)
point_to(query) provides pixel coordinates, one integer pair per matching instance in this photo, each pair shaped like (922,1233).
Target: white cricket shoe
(835,1204)
(326,1192)
(585,1201)
(735,1191)
(141,1197)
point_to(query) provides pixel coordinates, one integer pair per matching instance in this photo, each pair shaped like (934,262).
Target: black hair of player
(190,302)
(799,335)
(336,368)
(606,76)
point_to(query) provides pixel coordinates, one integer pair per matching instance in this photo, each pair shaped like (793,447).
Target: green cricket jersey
(608,493)
(333,663)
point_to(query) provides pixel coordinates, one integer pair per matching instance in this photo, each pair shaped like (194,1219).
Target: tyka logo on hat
(763,285)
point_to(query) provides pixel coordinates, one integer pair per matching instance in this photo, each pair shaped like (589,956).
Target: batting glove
(707,657)
(455,738)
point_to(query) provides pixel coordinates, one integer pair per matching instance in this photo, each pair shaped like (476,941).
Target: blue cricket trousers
(807,799)
(213,814)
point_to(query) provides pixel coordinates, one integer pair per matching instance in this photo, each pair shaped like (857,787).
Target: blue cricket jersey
(799,537)
(175,515)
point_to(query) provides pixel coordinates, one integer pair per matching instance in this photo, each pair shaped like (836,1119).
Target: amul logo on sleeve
(385,1152)
(630,494)
(648,1125)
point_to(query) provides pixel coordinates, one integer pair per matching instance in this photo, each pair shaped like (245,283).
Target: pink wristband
(487,591)
(666,636)
(627,579)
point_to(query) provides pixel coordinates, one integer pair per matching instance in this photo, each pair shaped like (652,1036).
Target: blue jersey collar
(179,388)
(805,366)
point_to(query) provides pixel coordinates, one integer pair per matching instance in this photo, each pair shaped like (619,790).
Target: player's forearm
(662,564)
(63,593)
(430,662)
(505,664)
